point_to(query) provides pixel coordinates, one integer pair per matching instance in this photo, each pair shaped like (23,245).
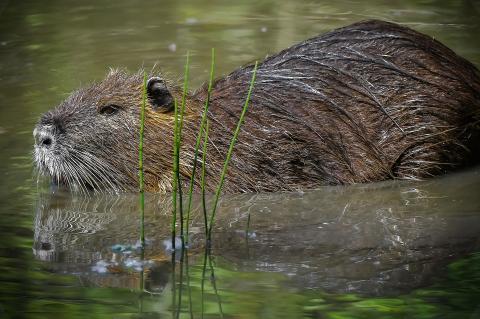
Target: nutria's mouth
(76,171)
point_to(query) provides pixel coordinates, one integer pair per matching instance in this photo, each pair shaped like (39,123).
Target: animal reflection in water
(378,239)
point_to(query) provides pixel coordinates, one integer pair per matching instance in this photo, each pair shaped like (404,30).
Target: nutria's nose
(43,136)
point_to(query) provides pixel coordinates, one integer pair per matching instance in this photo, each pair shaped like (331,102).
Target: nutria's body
(368,102)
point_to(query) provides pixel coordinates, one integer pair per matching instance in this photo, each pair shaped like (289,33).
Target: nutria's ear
(159,95)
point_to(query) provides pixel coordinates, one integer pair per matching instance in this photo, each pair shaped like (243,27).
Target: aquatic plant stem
(197,144)
(185,90)
(174,203)
(178,142)
(140,162)
(174,287)
(202,282)
(229,153)
(214,284)
(175,176)
(204,169)
(205,217)
(187,273)
(180,288)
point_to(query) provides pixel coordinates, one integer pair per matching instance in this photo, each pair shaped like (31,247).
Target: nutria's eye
(109,109)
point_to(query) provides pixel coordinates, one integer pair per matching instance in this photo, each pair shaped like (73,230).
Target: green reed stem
(185,90)
(202,283)
(174,287)
(213,281)
(140,162)
(175,174)
(178,146)
(187,273)
(204,208)
(197,144)
(229,153)
(203,181)
(180,287)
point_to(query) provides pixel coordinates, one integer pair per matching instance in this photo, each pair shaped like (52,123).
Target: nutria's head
(90,141)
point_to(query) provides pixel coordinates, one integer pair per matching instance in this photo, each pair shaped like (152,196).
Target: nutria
(368,102)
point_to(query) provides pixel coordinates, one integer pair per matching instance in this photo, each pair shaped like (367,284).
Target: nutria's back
(368,102)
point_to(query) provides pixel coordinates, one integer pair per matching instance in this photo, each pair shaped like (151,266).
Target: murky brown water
(395,248)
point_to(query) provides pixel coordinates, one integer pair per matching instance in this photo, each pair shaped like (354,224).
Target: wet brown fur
(368,102)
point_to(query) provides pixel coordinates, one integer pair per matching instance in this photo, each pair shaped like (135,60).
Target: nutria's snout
(45,144)
(47,130)
(43,136)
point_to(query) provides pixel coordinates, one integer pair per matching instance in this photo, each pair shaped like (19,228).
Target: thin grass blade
(229,153)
